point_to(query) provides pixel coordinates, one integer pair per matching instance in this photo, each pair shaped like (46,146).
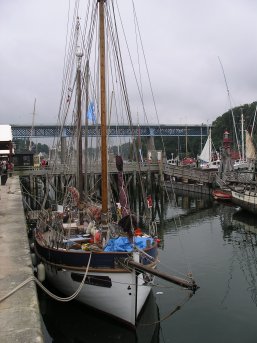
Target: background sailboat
(207,156)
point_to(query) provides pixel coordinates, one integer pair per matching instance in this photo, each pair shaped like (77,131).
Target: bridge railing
(26,131)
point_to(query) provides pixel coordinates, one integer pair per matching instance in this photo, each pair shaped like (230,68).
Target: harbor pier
(19,313)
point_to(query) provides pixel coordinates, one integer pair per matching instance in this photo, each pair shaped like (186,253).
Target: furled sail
(250,150)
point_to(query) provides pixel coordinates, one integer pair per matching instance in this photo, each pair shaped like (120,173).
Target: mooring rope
(178,307)
(56,297)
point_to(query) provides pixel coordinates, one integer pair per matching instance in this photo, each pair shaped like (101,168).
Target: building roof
(5,133)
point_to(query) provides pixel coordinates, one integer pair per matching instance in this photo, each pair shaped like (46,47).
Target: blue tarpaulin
(123,244)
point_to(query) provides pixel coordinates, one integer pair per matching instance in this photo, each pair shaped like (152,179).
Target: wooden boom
(174,279)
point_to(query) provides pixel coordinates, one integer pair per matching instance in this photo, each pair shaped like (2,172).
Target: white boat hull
(241,165)
(122,300)
(247,200)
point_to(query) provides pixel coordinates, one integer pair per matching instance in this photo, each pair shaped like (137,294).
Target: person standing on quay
(4,174)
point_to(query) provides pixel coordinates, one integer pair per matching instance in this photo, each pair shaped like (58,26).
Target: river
(216,243)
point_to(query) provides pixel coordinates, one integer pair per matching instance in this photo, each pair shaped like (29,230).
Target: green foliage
(177,146)
(42,148)
(23,145)
(226,122)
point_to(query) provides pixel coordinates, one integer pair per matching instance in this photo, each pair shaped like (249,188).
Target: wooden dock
(181,173)
(187,174)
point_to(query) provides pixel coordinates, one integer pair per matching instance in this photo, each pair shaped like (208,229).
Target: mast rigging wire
(230,104)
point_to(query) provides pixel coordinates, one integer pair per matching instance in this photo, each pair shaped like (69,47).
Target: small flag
(91,112)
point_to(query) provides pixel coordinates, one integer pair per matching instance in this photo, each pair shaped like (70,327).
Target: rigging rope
(168,315)
(56,297)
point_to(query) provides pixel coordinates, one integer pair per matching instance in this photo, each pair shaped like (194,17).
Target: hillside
(225,122)
(222,123)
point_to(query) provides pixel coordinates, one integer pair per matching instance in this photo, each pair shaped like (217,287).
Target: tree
(226,122)
(22,145)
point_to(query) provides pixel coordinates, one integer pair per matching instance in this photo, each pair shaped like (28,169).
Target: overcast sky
(182,41)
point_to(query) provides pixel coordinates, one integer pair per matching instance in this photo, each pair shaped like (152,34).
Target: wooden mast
(79,133)
(33,123)
(103,113)
(86,134)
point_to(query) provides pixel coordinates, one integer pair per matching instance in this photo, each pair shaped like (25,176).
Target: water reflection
(73,322)
(190,201)
(226,212)
(182,209)
(243,221)
(240,232)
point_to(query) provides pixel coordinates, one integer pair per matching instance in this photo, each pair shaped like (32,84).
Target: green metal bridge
(26,131)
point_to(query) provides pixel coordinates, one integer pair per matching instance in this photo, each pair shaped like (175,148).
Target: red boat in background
(188,161)
(219,194)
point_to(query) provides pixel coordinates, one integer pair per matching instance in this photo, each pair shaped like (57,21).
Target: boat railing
(239,176)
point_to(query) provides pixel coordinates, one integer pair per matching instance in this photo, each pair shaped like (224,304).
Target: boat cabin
(6,144)
(23,159)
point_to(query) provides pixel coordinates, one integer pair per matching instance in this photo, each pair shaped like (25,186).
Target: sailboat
(242,162)
(206,156)
(91,252)
(245,194)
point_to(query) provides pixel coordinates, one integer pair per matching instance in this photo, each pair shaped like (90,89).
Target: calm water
(217,244)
